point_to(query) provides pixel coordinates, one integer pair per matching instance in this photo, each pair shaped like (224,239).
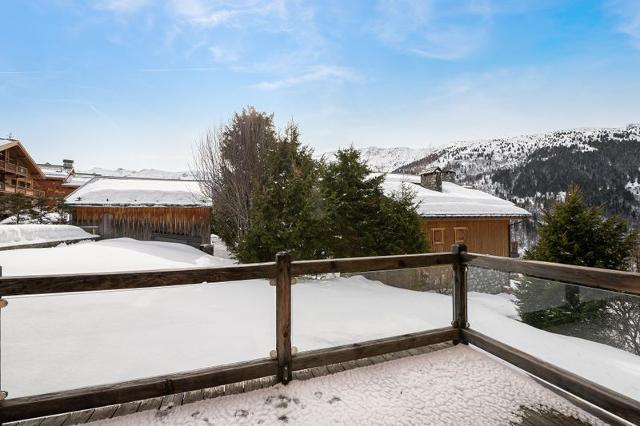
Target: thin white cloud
(223,55)
(315,74)
(123,6)
(627,13)
(434,29)
(179,69)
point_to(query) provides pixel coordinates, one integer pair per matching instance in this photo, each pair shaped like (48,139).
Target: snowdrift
(17,235)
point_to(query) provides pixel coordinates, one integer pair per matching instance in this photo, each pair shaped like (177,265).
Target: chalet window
(460,234)
(437,236)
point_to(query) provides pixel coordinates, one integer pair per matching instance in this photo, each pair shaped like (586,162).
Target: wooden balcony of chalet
(6,188)
(96,402)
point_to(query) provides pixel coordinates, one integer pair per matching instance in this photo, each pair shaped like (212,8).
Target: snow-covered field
(420,390)
(60,342)
(17,235)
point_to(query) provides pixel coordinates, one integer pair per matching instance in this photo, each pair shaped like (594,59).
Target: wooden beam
(320,357)
(604,279)
(375,263)
(14,286)
(604,398)
(283,316)
(97,396)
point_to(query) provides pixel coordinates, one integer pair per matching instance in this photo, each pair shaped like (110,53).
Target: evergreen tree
(360,219)
(286,211)
(16,204)
(399,228)
(353,206)
(575,234)
(62,208)
(229,164)
(39,209)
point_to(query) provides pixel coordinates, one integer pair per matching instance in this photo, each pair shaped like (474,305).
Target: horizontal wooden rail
(316,358)
(375,263)
(43,284)
(604,398)
(100,281)
(14,409)
(603,279)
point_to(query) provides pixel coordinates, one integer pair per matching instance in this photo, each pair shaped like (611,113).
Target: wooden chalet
(144,209)
(19,172)
(55,175)
(453,214)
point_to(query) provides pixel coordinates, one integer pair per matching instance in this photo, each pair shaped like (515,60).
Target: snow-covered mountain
(535,170)
(144,173)
(386,159)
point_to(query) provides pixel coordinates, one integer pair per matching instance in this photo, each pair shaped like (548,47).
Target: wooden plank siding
(486,236)
(146,223)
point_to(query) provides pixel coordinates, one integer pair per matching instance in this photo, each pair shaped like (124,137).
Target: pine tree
(287,211)
(360,219)
(575,234)
(39,209)
(16,204)
(399,228)
(353,206)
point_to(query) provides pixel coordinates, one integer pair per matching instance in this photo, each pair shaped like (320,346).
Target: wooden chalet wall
(53,187)
(17,173)
(190,225)
(484,236)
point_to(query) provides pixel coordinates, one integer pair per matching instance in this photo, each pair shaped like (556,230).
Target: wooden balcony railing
(29,192)
(281,272)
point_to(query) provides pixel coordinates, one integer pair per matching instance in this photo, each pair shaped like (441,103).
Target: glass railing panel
(338,309)
(592,333)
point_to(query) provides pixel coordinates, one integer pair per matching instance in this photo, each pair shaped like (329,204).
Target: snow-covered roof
(110,191)
(54,171)
(7,141)
(76,180)
(453,201)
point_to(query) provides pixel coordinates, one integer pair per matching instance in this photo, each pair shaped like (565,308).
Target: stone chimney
(432,178)
(67,164)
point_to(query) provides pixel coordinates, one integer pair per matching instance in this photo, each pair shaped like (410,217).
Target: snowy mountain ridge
(384,160)
(143,173)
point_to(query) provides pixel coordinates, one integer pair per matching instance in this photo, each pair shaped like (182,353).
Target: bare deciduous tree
(228,162)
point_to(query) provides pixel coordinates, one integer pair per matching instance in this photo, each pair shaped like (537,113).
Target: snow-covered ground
(48,218)
(118,254)
(424,389)
(17,235)
(60,342)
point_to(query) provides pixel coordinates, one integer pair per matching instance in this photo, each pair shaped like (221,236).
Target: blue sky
(133,83)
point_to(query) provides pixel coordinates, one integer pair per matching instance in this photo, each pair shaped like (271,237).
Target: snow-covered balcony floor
(453,385)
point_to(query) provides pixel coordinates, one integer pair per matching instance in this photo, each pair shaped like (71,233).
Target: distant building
(55,175)
(19,173)
(452,214)
(144,209)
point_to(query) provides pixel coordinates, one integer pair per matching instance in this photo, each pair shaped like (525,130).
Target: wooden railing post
(283,316)
(460,320)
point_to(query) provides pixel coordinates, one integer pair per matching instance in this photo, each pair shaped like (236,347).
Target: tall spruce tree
(287,211)
(360,219)
(576,234)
